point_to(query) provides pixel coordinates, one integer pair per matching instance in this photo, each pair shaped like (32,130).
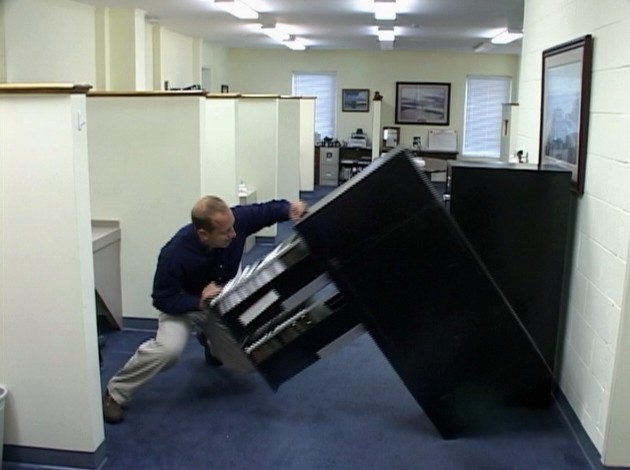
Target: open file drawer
(285,312)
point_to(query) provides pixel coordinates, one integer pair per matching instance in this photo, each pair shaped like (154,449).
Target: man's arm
(255,217)
(168,294)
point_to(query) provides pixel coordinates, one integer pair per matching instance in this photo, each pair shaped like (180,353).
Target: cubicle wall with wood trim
(146,154)
(49,345)
(153,154)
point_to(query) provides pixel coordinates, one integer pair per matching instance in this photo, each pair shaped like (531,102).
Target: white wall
(3,76)
(288,166)
(221,138)
(270,71)
(49,41)
(49,345)
(257,148)
(127,49)
(144,155)
(214,58)
(307,144)
(177,59)
(595,345)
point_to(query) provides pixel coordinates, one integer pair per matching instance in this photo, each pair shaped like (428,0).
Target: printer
(358,139)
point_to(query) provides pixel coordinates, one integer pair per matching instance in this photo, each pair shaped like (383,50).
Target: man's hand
(297,210)
(208,293)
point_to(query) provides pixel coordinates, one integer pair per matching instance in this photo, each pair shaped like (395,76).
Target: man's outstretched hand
(297,210)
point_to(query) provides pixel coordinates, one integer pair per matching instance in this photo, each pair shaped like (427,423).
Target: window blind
(485,96)
(322,86)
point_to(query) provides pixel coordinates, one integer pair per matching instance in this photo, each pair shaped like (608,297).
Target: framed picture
(355,99)
(423,103)
(566,94)
(391,137)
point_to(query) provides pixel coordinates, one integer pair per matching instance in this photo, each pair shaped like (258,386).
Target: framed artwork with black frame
(423,103)
(355,99)
(566,95)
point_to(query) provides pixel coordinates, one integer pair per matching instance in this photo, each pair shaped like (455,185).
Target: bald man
(192,268)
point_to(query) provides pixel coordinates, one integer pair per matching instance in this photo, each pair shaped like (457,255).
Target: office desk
(439,154)
(107,282)
(432,166)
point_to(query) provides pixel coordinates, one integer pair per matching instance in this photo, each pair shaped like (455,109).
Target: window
(485,96)
(322,86)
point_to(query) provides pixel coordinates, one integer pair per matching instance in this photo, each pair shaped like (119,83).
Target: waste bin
(3,394)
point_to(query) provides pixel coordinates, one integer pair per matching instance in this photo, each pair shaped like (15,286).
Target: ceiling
(448,25)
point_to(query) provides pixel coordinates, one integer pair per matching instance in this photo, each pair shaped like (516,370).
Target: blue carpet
(347,411)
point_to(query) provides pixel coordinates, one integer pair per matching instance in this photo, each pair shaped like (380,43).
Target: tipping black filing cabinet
(329,166)
(409,273)
(519,219)
(401,268)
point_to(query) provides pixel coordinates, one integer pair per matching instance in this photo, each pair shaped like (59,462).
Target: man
(192,268)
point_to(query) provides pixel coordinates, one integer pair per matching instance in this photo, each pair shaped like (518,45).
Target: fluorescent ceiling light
(483,46)
(506,36)
(275,33)
(386,34)
(294,44)
(237,8)
(385,9)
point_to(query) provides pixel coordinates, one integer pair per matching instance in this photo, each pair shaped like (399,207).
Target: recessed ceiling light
(386,34)
(295,44)
(507,36)
(275,32)
(237,8)
(385,9)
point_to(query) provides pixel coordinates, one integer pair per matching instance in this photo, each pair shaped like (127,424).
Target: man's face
(223,233)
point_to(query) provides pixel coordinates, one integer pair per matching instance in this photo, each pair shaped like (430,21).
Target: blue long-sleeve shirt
(185,266)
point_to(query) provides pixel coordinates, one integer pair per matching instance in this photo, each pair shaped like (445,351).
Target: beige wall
(177,59)
(111,49)
(214,59)
(595,377)
(270,71)
(3,72)
(49,41)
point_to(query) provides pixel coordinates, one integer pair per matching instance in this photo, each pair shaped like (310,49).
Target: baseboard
(22,457)
(567,414)
(137,323)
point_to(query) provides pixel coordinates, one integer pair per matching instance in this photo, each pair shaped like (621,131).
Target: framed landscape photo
(423,103)
(566,94)
(355,99)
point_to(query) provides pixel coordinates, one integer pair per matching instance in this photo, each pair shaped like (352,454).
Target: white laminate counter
(107,281)
(104,232)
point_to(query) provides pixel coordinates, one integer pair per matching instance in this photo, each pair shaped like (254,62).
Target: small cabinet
(329,166)
(352,160)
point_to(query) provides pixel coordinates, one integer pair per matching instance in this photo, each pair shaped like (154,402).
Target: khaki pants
(166,348)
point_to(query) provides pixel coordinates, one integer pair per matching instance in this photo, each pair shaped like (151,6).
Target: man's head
(214,222)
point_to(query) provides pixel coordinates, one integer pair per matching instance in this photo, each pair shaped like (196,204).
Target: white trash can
(3,395)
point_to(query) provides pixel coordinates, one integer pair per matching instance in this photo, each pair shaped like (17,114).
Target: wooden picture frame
(355,100)
(423,103)
(565,104)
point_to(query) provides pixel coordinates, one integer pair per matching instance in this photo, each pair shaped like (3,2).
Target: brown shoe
(112,411)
